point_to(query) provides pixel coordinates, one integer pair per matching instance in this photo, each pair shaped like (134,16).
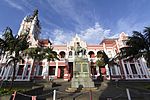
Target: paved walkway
(105,90)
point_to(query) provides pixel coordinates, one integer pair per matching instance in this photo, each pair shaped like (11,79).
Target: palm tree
(40,53)
(12,46)
(102,61)
(138,46)
(36,55)
(50,55)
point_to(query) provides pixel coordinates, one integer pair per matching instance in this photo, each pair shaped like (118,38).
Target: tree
(102,61)
(40,53)
(138,46)
(13,46)
(50,55)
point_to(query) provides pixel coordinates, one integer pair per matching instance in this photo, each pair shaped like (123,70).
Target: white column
(24,70)
(111,71)
(104,46)
(138,69)
(144,67)
(119,72)
(30,70)
(125,73)
(129,69)
(45,69)
(56,69)
(25,67)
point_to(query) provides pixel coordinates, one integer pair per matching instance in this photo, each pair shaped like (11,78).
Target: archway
(70,53)
(62,54)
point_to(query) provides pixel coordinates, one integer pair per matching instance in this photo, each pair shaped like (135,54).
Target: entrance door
(51,70)
(71,69)
(61,71)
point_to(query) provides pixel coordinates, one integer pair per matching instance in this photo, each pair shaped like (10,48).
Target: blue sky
(93,20)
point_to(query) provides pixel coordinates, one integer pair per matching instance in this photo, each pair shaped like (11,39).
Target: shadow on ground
(118,90)
(106,90)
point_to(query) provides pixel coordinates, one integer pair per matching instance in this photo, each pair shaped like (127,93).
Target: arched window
(62,54)
(70,53)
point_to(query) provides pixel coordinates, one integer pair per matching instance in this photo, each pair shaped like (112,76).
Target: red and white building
(63,68)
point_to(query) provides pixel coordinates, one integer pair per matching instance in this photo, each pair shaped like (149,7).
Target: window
(133,68)
(51,70)
(20,70)
(126,68)
(70,53)
(113,70)
(40,70)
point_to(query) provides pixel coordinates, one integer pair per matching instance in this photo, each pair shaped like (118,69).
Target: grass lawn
(6,91)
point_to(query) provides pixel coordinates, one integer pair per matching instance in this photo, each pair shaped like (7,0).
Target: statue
(81,72)
(79,50)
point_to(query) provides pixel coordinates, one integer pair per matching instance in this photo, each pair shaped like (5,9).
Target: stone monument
(81,71)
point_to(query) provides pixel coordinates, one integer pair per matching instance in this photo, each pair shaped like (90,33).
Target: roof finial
(35,13)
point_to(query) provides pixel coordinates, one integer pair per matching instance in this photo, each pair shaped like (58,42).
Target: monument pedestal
(81,74)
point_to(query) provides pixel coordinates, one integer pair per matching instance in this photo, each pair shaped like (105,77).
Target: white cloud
(92,35)
(130,24)
(14,4)
(60,37)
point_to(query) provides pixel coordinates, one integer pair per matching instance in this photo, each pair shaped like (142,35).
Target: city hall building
(63,68)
